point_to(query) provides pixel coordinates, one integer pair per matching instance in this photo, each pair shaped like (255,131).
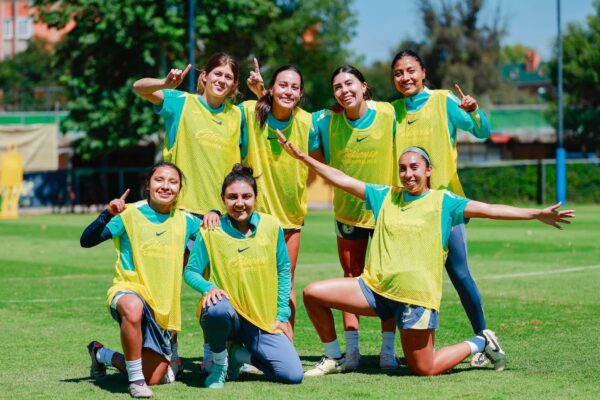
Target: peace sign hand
(117,206)
(467,103)
(255,81)
(175,77)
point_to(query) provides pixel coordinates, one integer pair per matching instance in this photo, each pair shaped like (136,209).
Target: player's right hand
(255,81)
(175,77)
(117,206)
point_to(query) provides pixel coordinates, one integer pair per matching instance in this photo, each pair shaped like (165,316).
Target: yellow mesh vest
(205,148)
(364,154)
(158,258)
(406,257)
(428,128)
(247,270)
(282,182)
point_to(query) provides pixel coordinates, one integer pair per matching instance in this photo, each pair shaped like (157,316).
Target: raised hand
(467,103)
(117,206)
(255,81)
(176,76)
(552,216)
(288,147)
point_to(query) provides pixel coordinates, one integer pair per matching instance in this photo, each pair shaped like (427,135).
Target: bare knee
(311,293)
(420,368)
(130,308)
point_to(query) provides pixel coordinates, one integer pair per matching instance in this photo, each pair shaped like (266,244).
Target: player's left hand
(255,81)
(467,103)
(552,216)
(285,328)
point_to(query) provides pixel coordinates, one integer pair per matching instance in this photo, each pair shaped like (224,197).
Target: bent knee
(421,369)
(290,377)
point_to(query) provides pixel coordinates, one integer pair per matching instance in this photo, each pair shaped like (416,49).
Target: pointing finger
(186,70)
(256,68)
(460,92)
(124,195)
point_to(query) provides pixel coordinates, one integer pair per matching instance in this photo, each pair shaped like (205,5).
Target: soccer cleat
(388,361)
(493,350)
(216,377)
(250,369)
(351,361)
(177,368)
(326,366)
(479,360)
(205,367)
(140,391)
(97,369)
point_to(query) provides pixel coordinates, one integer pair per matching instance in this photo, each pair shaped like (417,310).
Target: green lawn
(540,288)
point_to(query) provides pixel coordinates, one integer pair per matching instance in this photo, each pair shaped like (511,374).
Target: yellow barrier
(11,180)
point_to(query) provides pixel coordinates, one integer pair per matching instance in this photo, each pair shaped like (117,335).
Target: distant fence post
(541,183)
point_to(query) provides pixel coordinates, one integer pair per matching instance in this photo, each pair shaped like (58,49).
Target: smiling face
(163,187)
(409,76)
(219,82)
(239,199)
(348,90)
(414,173)
(286,92)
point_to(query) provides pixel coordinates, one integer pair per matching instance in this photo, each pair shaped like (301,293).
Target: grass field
(540,287)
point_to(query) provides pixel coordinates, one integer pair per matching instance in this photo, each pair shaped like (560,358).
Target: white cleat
(493,350)
(326,366)
(479,360)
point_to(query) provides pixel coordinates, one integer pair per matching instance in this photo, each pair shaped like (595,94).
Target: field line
(485,277)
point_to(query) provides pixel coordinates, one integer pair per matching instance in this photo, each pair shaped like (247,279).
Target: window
(24,27)
(7,28)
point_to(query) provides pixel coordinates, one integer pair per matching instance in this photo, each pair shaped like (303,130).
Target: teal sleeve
(453,208)
(323,119)
(243,133)
(475,123)
(284,279)
(314,140)
(115,226)
(170,110)
(374,196)
(192,226)
(193,274)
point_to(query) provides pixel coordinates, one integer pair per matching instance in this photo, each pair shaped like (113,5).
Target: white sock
(208,354)
(388,343)
(134,370)
(104,355)
(241,355)
(476,343)
(351,341)
(220,358)
(332,349)
(174,353)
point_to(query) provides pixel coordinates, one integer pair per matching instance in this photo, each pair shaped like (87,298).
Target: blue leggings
(458,271)
(272,353)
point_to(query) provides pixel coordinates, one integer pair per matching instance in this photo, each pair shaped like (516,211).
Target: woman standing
(150,238)
(357,137)
(403,277)
(430,119)
(246,298)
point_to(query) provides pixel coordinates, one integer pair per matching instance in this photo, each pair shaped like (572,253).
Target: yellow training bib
(158,259)
(364,154)
(406,257)
(428,128)
(247,270)
(282,179)
(205,148)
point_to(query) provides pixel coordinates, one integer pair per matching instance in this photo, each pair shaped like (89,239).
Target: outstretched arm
(332,175)
(550,215)
(151,88)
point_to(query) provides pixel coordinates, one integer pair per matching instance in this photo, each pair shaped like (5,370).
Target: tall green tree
(115,43)
(581,69)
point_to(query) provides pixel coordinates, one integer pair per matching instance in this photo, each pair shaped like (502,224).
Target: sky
(382,24)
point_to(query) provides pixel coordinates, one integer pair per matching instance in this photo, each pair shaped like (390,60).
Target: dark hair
(218,60)
(421,152)
(240,172)
(153,169)
(349,69)
(407,53)
(265,103)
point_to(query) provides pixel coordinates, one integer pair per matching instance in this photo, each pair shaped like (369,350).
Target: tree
(581,55)
(115,43)
(29,79)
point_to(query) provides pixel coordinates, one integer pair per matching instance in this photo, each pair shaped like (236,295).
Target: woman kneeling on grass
(150,238)
(403,275)
(246,297)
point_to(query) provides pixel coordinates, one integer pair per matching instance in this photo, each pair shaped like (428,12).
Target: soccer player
(283,181)
(357,137)
(150,238)
(430,119)
(403,276)
(246,298)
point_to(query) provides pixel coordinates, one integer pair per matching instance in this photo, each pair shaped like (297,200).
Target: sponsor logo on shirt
(244,249)
(160,233)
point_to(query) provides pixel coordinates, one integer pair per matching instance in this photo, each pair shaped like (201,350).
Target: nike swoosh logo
(412,122)
(216,121)
(160,233)
(405,208)
(272,138)
(244,249)
(360,139)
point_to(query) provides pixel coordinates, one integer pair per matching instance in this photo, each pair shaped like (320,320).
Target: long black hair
(349,69)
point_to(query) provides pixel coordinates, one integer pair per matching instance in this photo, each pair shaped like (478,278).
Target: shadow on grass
(115,382)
